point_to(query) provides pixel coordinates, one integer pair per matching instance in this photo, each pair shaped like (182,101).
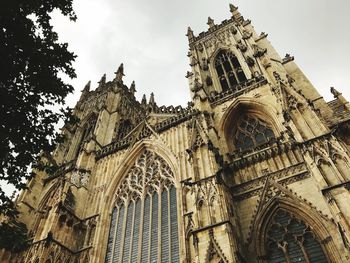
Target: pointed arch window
(87,132)
(125,126)
(290,239)
(252,132)
(229,70)
(144,224)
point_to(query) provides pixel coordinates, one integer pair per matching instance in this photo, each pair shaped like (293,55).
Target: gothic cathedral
(255,169)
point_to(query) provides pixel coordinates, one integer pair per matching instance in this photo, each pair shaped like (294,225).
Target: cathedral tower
(255,169)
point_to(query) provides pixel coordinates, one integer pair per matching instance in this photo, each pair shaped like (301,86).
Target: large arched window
(144,223)
(251,132)
(229,70)
(289,239)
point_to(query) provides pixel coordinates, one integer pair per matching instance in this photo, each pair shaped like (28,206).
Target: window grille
(289,239)
(148,187)
(229,70)
(252,132)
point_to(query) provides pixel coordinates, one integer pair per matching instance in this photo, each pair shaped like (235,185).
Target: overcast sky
(149,38)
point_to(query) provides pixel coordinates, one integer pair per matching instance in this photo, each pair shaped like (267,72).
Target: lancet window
(87,132)
(124,128)
(229,70)
(252,132)
(144,224)
(289,239)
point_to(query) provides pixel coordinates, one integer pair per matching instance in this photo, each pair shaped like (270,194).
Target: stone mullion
(169,224)
(139,248)
(122,241)
(307,260)
(150,228)
(115,234)
(132,231)
(159,224)
(226,76)
(234,70)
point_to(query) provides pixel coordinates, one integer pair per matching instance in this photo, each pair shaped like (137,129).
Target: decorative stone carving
(335,93)
(149,173)
(250,61)
(205,65)
(241,46)
(247,34)
(258,51)
(233,30)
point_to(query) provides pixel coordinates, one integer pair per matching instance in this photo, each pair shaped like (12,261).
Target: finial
(236,15)
(210,22)
(335,92)
(144,100)
(87,87)
(119,74)
(151,99)
(233,8)
(132,87)
(190,34)
(102,81)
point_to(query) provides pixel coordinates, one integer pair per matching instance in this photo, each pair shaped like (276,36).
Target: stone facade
(255,169)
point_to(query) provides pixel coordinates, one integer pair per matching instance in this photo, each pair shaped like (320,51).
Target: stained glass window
(229,70)
(289,239)
(148,215)
(252,132)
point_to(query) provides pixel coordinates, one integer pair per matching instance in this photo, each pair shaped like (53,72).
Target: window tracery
(252,132)
(145,213)
(289,239)
(229,70)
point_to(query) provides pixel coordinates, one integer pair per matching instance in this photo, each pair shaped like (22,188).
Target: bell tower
(264,119)
(255,169)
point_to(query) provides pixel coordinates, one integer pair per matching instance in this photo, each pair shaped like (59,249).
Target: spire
(87,87)
(236,15)
(151,99)
(132,88)
(335,93)
(190,34)
(85,91)
(102,81)
(144,100)
(119,74)
(210,22)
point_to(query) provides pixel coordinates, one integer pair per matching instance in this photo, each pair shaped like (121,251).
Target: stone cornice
(201,229)
(238,90)
(60,244)
(210,31)
(159,127)
(287,175)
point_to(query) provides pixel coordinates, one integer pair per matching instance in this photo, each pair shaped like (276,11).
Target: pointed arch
(131,155)
(245,106)
(143,201)
(228,68)
(317,225)
(214,253)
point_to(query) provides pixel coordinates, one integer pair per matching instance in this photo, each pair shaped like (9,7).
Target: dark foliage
(13,236)
(32,62)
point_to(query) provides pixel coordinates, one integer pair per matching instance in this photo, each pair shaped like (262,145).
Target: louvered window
(229,70)
(289,239)
(145,213)
(252,132)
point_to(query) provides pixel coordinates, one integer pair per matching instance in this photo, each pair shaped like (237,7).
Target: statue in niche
(242,47)
(205,64)
(250,61)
